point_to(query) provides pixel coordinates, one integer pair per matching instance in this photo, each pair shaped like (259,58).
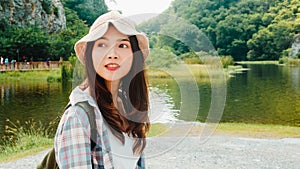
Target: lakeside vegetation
(289,61)
(258,62)
(57,75)
(39,75)
(24,139)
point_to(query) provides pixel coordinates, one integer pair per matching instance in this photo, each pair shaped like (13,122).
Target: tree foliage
(243,29)
(63,42)
(87,10)
(29,41)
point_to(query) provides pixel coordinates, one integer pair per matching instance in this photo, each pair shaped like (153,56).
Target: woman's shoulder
(80,112)
(74,114)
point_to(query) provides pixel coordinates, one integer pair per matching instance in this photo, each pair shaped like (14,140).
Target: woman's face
(112,55)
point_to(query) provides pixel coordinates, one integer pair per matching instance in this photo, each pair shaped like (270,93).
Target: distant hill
(243,29)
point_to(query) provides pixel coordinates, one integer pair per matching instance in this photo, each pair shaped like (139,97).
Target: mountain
(47,14)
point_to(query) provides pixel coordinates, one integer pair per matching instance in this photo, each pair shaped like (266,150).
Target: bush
(283,60)
(286,53)
(161,58)
(289,61)
(226,61)
(50,79)
(189,55)
(66,72)
(56,12)
(72,70)
(294,62)
(47,6)
(193,60)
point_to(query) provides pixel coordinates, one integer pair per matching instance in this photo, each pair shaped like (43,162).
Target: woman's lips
(112,66)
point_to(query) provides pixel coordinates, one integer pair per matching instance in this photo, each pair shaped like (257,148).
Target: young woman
(113,53)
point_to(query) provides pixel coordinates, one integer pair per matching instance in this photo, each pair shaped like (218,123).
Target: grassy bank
(258,130)
(267,131)
(204,72)
(196,70)
(259,62)
(35,141)
(39,75)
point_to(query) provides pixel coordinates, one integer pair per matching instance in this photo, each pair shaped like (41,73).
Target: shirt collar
(81,95)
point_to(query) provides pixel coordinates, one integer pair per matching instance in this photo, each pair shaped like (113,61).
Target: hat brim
(80,45)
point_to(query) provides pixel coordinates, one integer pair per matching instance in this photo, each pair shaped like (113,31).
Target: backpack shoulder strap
(49,161)
(91,116)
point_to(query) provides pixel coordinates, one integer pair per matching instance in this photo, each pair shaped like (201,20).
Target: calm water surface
(264,94)
(267,94)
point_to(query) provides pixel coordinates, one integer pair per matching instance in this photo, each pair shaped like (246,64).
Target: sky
(134,7)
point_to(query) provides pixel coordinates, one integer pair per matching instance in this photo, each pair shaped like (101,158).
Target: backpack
(49,161)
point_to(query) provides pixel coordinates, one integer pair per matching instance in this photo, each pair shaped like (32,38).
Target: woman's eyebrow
(125,39)
(119,40)
(103,38)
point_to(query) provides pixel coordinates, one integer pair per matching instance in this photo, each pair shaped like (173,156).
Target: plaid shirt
(72,140)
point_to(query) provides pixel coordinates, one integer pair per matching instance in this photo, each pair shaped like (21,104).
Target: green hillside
(243,29)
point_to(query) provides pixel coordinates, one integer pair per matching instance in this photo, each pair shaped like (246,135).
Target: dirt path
(217,152)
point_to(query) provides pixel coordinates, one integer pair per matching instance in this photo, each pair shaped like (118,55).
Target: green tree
(87,10)
(62,43)
(243,29)
(30,42)
(270,42)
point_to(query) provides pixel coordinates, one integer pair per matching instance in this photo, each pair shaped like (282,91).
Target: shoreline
(181,130)
(267,131)
(217,151)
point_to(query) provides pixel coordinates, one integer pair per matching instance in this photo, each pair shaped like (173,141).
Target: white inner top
(122,155)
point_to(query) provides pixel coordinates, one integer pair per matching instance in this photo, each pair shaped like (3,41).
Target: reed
(23,139)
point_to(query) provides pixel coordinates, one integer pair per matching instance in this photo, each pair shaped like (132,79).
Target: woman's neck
(113,87)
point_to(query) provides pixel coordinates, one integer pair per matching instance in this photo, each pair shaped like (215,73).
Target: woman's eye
(101,45)
(123,46)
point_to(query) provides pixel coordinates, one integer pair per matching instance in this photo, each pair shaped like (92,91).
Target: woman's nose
(112,54)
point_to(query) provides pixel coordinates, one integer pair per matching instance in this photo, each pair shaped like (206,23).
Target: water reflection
(266,94)
(295,71)
(43,102)
(162,108)
(24,101)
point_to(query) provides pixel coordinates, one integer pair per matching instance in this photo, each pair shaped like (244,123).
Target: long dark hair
(133,92)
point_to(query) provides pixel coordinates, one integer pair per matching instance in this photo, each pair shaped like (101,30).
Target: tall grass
(40,75)
(22,139)
(289,61)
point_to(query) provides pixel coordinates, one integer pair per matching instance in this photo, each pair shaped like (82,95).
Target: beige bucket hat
(100,26)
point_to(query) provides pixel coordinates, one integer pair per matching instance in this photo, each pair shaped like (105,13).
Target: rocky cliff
(47,14)
(295,46)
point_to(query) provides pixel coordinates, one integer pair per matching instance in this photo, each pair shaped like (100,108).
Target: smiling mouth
(112,66)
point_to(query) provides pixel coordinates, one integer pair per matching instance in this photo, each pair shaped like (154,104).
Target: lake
(264,94)
(267,94)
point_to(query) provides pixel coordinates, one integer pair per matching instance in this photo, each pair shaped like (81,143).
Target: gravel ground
(218,151)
